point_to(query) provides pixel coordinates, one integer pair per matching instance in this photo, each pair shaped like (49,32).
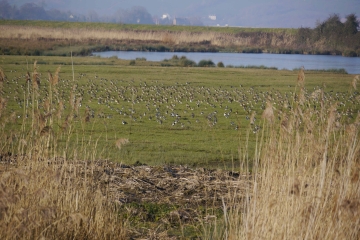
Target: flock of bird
(178,105)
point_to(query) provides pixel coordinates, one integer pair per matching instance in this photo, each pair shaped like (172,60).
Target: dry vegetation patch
(65,199)
(28,38)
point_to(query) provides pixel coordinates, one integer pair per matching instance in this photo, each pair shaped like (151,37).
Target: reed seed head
(3,102)
(121,142)
(354,82)
(268,113)
(301,77)
(2,75)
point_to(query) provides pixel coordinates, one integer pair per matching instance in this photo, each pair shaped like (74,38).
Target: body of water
(280,61)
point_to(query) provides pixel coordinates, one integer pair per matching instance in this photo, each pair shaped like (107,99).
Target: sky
(247,13)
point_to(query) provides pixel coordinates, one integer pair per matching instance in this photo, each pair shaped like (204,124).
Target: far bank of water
(279,61)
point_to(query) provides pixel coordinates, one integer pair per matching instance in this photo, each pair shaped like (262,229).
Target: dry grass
(121,142)
(354,82)
(55,202)
(45,193)
(274,40)
(305,182)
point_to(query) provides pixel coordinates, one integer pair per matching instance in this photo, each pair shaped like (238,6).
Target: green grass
(145,95)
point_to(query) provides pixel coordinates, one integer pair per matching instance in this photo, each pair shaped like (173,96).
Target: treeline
(331,36)
(32,11)
(134,15)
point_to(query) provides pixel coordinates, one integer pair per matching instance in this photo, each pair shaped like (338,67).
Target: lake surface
(280,61)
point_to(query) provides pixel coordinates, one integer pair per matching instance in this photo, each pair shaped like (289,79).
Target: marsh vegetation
(88,150)
(60,38)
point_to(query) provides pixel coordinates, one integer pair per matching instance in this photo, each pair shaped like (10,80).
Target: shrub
(132,63)
(220,64)
(206,63)
(349,53)
(187,63)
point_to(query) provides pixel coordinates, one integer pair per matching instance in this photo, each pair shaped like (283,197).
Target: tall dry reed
(278,40)
(305,179)
(45,193)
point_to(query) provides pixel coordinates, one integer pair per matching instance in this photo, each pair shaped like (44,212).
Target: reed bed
(305,178)
(46,192)
(265,39)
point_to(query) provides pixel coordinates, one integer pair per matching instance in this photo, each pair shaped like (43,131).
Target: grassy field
(195,116)
(290,139)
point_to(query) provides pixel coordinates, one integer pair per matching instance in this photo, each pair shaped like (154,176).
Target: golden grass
(55,202)
(354,82)
(167,37)
(121,142)
(2,75)
(305,181)
(44,193)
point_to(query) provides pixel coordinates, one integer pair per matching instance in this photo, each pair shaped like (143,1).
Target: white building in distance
(165,16)
(212,17)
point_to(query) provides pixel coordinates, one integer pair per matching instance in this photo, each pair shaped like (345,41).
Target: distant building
(212,17)
(165,19)
(165,16)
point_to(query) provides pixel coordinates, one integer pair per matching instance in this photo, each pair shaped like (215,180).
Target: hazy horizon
(257,13)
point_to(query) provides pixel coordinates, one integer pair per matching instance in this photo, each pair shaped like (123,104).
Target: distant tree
(7,11)
(120,15)
(220,65)
(333,25)
(206,63)
(331,30)
(351,25)
(139,15)
(304,35)
(31,11)
(58,15)
(92,16)
(318,30)
(134,15)
(195,21)
(184,62)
